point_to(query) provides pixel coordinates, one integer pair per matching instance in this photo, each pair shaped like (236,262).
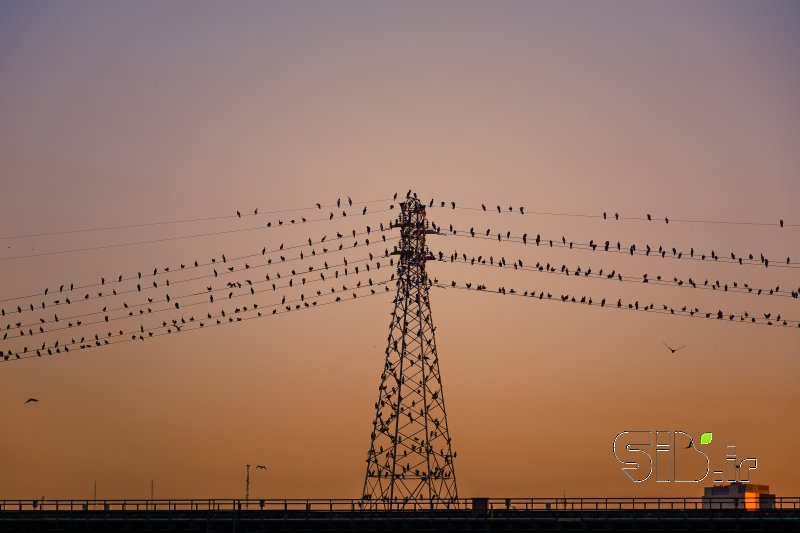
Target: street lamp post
(247,484)
(247,481)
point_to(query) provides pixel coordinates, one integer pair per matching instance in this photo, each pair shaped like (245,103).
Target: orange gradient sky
(124,113)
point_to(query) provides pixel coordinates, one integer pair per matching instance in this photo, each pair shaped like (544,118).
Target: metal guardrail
(354,505)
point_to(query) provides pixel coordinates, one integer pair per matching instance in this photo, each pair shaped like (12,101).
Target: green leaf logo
(705,438)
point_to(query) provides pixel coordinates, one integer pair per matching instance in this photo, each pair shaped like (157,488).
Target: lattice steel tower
(410,459)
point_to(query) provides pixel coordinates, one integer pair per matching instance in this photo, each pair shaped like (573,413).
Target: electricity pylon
(410,461)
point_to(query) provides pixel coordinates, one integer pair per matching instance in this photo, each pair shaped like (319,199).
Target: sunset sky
(128,113)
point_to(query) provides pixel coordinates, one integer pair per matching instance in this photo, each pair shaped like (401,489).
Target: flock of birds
(745,317)
(613,275)
(218,273)
(321,272)
(223,317)
(331,215)
(618,247)
(163,278)
(231,266)
(324,241)
(605,214)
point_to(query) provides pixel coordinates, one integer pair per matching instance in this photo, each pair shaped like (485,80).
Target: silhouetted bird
(238,214)
(673,350)
(31,400)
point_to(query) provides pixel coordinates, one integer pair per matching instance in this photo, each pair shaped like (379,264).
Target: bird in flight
(261,467)
(31,400)
(673,350)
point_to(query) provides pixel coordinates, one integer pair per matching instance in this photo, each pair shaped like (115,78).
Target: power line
(650,308)
(185,220)
(213,262)
(615,276)
(606,215)
(22,355)
(607,246)
(167,239)
(179,298)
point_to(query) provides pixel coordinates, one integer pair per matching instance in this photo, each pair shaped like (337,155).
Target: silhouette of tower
(410,459)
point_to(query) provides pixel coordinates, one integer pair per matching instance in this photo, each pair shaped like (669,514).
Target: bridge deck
(465,520)
(480,514)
